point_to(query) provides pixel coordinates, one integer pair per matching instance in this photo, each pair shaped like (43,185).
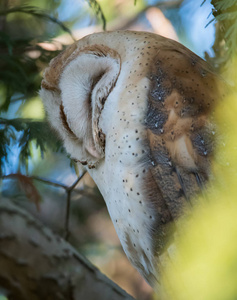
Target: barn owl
(135,109)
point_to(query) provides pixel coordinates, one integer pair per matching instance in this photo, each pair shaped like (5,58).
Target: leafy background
(35,170)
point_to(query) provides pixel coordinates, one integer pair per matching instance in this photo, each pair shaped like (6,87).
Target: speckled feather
(136,109)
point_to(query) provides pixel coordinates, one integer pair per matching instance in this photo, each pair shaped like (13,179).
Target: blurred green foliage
(205,266)
(225,16)
(206,263)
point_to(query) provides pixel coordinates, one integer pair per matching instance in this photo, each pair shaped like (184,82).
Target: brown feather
(184,91)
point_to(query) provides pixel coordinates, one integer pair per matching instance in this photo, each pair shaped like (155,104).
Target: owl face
(134,108)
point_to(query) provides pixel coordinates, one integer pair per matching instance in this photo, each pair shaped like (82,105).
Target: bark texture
(37,264)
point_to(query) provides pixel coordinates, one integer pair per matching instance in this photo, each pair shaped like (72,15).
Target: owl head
(75,88)
(81,80)
(103,69)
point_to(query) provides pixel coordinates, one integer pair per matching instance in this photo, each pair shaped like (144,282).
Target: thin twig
(68,190)
(50,182)
(46,181)
(67,216)
(76,182)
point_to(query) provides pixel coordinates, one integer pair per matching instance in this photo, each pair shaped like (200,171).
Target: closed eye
(65,123)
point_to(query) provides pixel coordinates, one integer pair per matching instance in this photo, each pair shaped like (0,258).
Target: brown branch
(36,264)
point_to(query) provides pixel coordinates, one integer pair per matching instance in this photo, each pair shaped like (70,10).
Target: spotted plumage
(135,108)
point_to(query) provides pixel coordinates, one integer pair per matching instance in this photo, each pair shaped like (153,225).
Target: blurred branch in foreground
(61,272)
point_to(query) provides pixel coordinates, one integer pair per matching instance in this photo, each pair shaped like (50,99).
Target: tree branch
(68,190)
(36,264)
